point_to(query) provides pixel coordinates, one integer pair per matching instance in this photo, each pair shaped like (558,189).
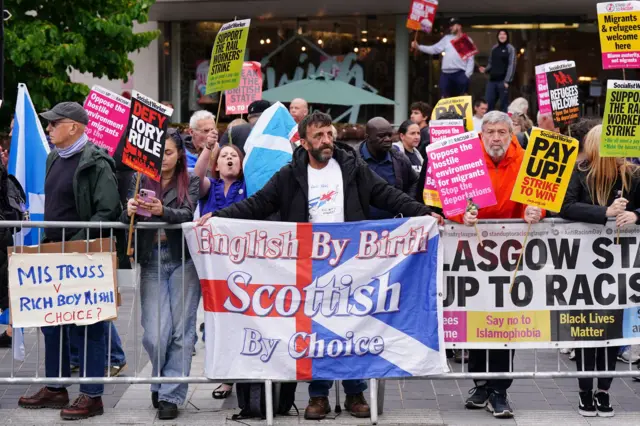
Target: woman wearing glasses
(168,309)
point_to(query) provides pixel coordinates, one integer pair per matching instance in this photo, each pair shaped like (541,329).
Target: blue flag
(28,161)
(268,147)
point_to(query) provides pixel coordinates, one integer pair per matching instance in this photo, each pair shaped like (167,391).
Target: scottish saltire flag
(289,301)
(28,161)
(268,147)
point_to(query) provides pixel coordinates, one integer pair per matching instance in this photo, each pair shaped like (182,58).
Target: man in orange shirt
(503,156)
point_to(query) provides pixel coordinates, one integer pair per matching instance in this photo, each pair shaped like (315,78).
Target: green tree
(44,39)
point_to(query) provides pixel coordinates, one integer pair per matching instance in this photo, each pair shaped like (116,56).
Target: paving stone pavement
(539,401)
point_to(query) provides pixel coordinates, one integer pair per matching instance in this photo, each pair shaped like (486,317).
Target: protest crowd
(157,173)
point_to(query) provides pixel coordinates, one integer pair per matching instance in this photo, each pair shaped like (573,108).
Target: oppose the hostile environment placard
(459,105)
(146,134)
(546,170)
(621,123)
(575,287)
(422,14)
(459,169)
(227,56)
(289,301)
(250,89)
(619,26)
(61,288)
(108,118)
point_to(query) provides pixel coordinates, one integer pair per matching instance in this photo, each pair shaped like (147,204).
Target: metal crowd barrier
(376,388)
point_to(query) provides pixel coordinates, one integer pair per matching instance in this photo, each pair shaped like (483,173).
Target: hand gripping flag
(268,147)
(28,161)
(287,301)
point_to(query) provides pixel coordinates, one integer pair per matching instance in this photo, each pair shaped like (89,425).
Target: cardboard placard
(108,118)
(557,88)
(421,15)
(227,56)
(619,26)
(464,46)
(460,105)
(146,135)
(621,123)
(461,175)
(546,170)
(237,100)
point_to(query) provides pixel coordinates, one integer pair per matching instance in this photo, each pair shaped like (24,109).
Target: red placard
(464,46)
(422,14)
(250,89)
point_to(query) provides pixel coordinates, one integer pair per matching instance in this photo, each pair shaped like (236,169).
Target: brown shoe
(82,408)
(318,408)
(45,398)
(357,405)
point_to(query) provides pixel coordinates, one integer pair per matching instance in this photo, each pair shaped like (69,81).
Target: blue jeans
(495,91)
(118,358)
(453,84)
(169,319)
(96,353)
(321,387)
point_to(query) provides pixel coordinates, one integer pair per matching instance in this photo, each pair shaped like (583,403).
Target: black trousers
(498,363)
(596,360)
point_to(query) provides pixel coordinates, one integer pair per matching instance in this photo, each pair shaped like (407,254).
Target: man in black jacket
(323,170)
(391,165)
(501,69)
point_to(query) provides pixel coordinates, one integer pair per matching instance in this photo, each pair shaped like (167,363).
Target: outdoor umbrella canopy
(325,91)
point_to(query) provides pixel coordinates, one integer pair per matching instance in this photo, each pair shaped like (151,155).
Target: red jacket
(503,178)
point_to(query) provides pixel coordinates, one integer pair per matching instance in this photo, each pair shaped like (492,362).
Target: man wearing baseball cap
(454,78)
(80,185)
(240,133)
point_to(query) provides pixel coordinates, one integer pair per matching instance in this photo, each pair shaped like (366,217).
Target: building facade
(366,43)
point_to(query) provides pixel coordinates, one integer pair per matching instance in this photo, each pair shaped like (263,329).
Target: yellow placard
(619,27)
(509,327)
(460,105)
(546,170)
(227,56)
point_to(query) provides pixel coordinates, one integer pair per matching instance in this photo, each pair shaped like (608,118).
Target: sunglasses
(55,124)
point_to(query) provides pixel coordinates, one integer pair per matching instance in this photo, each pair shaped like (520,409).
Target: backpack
(252,400)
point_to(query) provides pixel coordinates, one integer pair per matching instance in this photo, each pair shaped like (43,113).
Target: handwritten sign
(227,56)
(461,174)
(621,124)
(459,105)
(108,118)
(55,289)
(238,100)
(546,170)
(422,14)
(146,134)
(619,25)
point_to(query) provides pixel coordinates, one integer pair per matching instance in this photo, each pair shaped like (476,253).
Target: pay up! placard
(459,105)
(227,56)
(108,118)
(546,170)
(461,174)
(621,124)
(146,134)
(61,288)
(619,26)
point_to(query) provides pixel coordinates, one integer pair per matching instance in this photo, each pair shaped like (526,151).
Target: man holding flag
(324,183)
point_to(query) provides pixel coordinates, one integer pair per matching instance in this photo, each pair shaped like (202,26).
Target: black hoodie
(502,61)
(287,192)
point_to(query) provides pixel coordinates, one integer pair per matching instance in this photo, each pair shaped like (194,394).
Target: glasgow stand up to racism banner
(575,287)
(289,301)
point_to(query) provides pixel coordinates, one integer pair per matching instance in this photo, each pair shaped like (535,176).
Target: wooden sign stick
(524,245)
(133,216)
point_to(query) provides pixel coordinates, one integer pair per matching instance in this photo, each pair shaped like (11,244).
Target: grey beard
(497,154)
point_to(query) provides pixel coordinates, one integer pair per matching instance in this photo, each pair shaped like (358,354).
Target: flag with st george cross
(287,301)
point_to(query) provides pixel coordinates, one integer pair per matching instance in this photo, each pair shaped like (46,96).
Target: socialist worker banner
(287,301)
(575,287)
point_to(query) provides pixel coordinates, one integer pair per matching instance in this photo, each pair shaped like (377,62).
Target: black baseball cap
(258,107)
(454,21)
(70,110)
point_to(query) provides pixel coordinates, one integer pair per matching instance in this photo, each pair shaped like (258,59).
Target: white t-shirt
(326,195)
(477,124)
